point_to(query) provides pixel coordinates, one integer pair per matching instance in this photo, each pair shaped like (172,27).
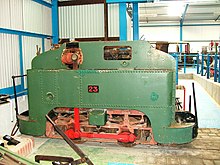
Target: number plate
(93,89)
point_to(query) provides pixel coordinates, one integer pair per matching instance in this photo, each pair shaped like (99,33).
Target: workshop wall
(197,34)
(9,63)
(160,33)
(11,14)
(36,18)
(24,24)
(27,16)
(201,32)
(87,21)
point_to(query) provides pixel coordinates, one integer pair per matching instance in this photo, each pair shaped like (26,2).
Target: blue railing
(210,64)
(204,64)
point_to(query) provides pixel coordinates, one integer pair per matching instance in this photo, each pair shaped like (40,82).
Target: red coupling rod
(125,137)
(76,133)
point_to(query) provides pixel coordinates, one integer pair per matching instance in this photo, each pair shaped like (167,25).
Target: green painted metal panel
(174,135)
(127,89)
(143,56)
(117,89)
(146,83)
(97,117)
(69,88)
(31,127)
(49,60)
(49,89)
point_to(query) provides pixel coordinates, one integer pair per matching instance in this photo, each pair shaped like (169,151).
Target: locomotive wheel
(79,141)
(130,144)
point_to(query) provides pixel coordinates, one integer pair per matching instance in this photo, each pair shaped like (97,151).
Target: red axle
(123,137)
(75,133)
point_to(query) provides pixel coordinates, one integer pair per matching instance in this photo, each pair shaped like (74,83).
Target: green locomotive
(123,91)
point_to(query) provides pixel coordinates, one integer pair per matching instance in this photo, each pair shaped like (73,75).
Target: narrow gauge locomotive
(121,91)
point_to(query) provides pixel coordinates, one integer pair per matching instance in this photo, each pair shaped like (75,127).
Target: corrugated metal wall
(46,20)
(47,44)
(29,51)
(5,14)
(25,15)
(9,63)
(113,13)
(9,16)
(16,14)
(87,21)
(22,15)
(36,18)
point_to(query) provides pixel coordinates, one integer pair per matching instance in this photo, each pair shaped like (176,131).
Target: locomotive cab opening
(117,53)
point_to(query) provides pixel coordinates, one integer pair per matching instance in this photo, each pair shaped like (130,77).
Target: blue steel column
(135,22)
(55,29)
(177,76)
(181,26)
(43,45)
(208,67)
(122,21)
(181,36)
(197,61)
(202,65)
(184,62)
(21,60)
(219,69)
(215,67)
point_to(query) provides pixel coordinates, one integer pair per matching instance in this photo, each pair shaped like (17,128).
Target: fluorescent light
(175,9)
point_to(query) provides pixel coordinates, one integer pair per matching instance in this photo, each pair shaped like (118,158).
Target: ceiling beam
(200,14)
(211,5)
(176,25)
(141,20)
(166,15)
(217,18)
(184,14)
(42,2)
(164,5)
(79,2)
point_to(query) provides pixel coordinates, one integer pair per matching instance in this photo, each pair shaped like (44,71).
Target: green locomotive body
(130,77)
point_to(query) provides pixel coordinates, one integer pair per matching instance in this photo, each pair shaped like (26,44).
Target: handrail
(206,64)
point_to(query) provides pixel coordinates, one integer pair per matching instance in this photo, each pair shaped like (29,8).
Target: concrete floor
(208,109)
(204,150)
